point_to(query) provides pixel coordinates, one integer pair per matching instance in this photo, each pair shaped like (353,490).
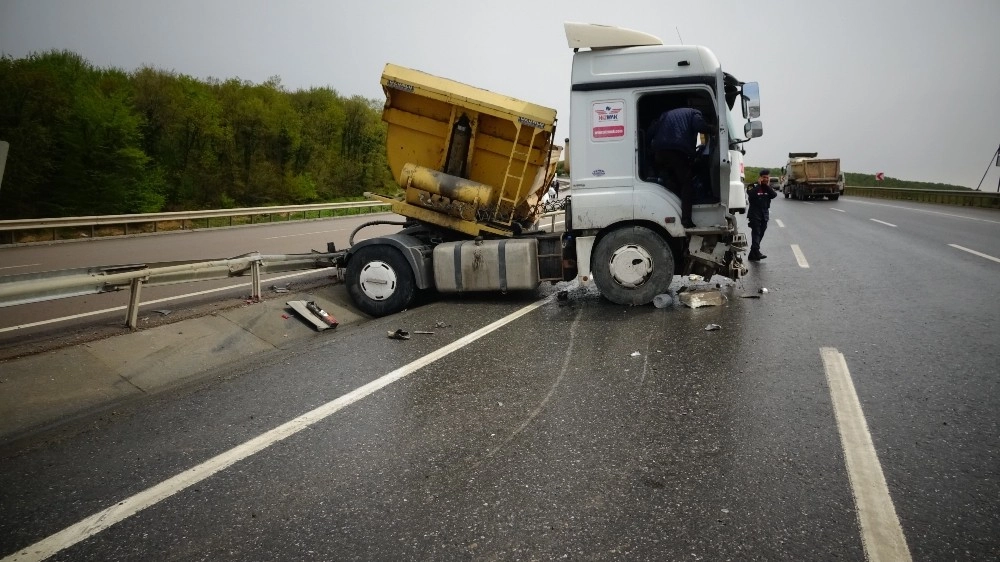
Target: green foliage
(101,141)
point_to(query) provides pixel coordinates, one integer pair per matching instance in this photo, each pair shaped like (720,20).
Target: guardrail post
(132,314)
(255,280)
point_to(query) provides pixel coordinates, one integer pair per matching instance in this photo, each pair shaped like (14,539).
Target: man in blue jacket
(673,137)
(759,197)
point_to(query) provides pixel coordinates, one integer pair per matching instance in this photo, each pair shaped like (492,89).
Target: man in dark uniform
(673,138)
(759,197)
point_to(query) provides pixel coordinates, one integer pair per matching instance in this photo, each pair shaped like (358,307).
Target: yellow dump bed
(468,159)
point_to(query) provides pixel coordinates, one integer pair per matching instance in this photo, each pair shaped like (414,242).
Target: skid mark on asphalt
(973,252)
(151,496)
(548,396)
(883,222)
(799,256)
(881,532)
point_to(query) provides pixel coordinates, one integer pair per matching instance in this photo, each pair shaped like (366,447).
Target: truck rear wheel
(632,265)
(380,280)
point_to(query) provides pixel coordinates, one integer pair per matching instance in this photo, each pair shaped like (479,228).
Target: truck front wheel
(380,280)
(632,265)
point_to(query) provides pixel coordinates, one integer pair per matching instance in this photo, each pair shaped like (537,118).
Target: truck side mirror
(753,129)
(751,100)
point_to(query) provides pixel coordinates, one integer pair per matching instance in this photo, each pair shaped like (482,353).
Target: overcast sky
(906,87)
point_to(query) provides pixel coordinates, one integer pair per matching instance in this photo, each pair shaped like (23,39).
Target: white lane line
(124,509)
(17,266)
(838,210)
(922,211)
(780,224)
(799,256)
(980,254)
(306,233)
(881,533)
(883,222)
(144,303)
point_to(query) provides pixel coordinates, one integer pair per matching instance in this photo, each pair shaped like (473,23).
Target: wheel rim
(377,280)
(631,265)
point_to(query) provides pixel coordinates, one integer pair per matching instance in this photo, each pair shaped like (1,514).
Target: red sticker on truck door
(608,120)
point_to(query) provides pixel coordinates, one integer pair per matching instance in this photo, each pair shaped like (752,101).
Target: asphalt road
(528,427)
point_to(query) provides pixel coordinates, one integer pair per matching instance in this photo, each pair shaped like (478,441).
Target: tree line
(95,141)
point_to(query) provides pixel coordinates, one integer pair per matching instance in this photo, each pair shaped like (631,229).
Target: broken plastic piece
(636,354)
(712,327)
(763,290)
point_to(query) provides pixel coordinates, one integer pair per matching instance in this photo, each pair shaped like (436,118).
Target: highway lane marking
(145,303)
(799,256)
(883,222)
(780,224)
(838,210)
(124,509)
(923,211)
(980,254)
(881,533)
(17,266)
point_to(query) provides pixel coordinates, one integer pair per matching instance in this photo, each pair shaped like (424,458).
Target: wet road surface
(582,429)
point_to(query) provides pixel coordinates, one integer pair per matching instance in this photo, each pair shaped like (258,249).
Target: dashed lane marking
(126,508)
(881,533)
(921,211)
(306,233)
(883,222)
(780,224)
(799,256)
(838,210)
(973,252)
(17,266)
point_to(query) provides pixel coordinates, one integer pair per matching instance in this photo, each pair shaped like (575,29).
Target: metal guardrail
(48,229)
(941,196)
(50,285)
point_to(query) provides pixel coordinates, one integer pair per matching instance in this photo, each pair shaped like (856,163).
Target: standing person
(673,137)
(759,197)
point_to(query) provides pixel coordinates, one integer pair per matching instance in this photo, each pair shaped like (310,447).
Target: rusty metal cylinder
(440,183)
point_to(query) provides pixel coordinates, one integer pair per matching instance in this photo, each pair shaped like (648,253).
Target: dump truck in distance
(474,166)
(808,177)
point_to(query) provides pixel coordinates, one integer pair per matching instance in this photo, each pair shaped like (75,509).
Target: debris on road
(399,334)
(763,290)
(313,314)
(163,311)
(419,332)
(695,299)
(636,354)
(712,327)
(662,301)
(278,289)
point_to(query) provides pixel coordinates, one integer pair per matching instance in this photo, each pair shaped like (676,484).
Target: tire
(834,197)
(786,195)
(632,265)
(380,280)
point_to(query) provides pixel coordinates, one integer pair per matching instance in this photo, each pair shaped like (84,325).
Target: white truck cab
(626,222)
